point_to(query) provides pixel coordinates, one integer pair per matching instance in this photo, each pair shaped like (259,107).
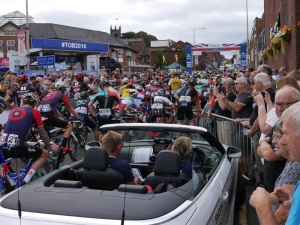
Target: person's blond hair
(111,140)
(183,146)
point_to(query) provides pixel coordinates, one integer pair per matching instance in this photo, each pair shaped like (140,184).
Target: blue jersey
(122,166)
(50,102)
(82,107)
(20,121)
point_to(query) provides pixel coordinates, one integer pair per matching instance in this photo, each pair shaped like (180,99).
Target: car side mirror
(233,152)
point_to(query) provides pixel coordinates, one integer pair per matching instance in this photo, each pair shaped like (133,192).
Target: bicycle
(10,180)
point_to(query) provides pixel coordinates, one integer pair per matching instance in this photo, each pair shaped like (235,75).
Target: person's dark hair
(268,70)
(251,69)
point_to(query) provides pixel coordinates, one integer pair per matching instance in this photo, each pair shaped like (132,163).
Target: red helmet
(79,75)
(22,78)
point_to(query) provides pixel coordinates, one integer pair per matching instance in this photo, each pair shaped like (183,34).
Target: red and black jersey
(78,87)
(50,102)
(111,98)
(19,123)
(19,93)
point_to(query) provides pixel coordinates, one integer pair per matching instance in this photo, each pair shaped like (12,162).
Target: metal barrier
(230,133)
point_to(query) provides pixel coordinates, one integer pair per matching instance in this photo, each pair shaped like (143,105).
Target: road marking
(243,215)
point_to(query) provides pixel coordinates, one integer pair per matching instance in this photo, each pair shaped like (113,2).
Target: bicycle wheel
(77,148)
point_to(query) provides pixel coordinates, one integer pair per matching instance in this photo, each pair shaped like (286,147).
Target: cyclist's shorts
(188,111)
(104,120)
(23,151)
(54,120)
(88,121)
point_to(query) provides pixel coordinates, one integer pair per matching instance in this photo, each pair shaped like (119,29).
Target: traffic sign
(48,60)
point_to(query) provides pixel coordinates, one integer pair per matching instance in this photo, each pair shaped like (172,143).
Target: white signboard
(197,53)
(91,61)
(15,61)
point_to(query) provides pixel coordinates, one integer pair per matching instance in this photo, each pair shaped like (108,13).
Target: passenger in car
(183,147)
(112,143)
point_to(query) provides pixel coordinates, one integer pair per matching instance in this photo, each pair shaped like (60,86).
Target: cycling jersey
(130,102)
(122,88)
(163,100)
(126,93)
(151,90)
(82,107)
(78,87)
(141,97)
(50,102)
(19,93)
(175,84)
(20,121)
(101,96)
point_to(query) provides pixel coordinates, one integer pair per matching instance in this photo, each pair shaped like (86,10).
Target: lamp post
(194,33)
(27,38)
(247,63)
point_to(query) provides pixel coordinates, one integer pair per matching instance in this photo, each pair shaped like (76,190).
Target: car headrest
(167,163)
(96,158)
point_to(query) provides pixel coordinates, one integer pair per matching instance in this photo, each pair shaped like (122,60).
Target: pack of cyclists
(154,98)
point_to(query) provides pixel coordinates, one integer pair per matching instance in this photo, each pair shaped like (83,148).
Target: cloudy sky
(225,21)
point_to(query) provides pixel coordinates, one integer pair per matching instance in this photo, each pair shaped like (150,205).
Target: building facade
(253,52)
(279,13)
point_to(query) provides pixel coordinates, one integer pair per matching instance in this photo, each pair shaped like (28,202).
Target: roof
(131,40)
(145,51)
(57,31)
(174,66)
(16,17)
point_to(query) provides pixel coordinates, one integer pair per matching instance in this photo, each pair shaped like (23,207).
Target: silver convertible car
(90,192)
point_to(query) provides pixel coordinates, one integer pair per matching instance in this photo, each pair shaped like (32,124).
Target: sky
(224,21)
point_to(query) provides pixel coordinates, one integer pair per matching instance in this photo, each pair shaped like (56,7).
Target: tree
(128,35)
(159,59)
(147,37)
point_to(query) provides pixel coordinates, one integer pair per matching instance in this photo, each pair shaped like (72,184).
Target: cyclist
(3,106)
(142,98)
(82,111)
(48,108)
(175,83)
(187,98)
(15,138)
(104,102)
(161,107)
(78,86)
(18,93)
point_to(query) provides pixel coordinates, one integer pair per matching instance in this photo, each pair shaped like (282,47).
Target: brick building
(8,38)
(284,13)
(138,44)
(253,51)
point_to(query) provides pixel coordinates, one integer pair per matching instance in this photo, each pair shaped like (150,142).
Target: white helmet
(30,97)
(133,92)
(60,84)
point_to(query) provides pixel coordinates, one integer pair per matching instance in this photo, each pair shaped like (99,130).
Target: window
(105,54)
(120,53)
(10,45)
(113,55)
(1,46)
(128,56)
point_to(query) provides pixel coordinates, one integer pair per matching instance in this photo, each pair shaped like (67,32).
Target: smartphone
(222,90)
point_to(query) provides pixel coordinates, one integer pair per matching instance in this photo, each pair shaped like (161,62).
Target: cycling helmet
(193,81)
(84,94)
(112,82)
(161,91)
(139,88)
(104,82)
(3,104)
(30,97)
(156,83)
(22,78)
(182,77)
(152,82)
(60,84)
(79,76)
(133,93)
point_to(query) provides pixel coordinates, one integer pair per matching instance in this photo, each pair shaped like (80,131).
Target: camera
(250,97)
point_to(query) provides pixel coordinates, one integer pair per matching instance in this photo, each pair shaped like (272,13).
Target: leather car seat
(96,174)
(167,169)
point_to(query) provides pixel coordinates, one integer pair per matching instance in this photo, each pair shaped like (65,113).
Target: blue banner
(189,60)
(48,60)
(69,45)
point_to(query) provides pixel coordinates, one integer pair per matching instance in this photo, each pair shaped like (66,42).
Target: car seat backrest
(96,159)
(167,163)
